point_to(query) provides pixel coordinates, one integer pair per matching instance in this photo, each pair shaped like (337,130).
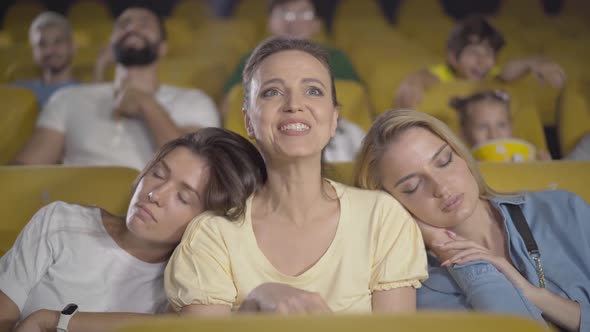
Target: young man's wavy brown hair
(474,30)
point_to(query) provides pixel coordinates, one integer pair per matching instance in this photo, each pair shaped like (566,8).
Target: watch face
(69,309)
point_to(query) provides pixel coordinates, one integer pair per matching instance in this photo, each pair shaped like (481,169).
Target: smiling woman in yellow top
(305,244)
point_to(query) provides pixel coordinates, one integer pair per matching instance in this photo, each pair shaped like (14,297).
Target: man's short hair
(474,30)
(47,19)
(159,18)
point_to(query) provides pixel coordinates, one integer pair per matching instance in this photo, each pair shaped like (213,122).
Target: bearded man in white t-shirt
(122,122)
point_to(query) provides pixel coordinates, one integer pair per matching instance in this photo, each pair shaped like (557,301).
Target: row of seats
(202,57)
(527,11)
(32,187)
(348,34)
(382,55)
(20,109)
(424,22)
(421,322)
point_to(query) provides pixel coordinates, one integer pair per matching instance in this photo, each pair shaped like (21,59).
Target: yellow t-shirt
(444,73)
(377,246)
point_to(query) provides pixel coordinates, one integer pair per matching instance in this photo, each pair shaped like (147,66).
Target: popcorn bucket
(505,150)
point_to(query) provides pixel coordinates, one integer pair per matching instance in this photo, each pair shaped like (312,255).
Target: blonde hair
(47,19)
(388,127)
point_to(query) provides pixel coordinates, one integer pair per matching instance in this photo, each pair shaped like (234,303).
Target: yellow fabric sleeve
(199,270)
(400,255)
(443,73)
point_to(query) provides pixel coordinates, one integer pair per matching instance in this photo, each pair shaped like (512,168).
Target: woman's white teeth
(295,126)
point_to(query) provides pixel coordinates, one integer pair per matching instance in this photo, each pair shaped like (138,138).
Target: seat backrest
(421,322)
(193,11)
(89,11)
(574,120)
(234,119)
(384,76)
(573,176)
(510,177)
(19,15)
(341,172)
(355,103)
(17,120)
(28,188)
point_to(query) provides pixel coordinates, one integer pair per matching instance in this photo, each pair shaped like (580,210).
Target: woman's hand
(283,299)
(466,251)
(39,321)
(434,236)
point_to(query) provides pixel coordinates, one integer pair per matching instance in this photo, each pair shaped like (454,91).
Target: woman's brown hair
(236,168)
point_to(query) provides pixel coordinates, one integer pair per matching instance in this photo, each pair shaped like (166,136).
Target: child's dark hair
(461,104)
(474,30)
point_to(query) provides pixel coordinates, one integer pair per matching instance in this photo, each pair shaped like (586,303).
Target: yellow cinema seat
(19,16)
(17,120)
(573,176)
(425,21)
(545,98)
(422,322)
(255,11)
(355,103)
(180,36)
(574,121)
(92,34)
(230,38)
(6,40)
(353,35)
(193,11)
(234,119)
(89,11)
(383,80)
(524,11)
(509,177)
(340,172)
(28,188)
(354,9)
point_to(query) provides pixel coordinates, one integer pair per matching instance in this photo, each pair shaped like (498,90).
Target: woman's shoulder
(554,199)
(60,219)
(559,206)
(551,196)
(364,197)
(60,212)
(213,227)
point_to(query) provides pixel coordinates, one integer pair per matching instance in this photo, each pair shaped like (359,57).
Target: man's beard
(134,57)
(59,68)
